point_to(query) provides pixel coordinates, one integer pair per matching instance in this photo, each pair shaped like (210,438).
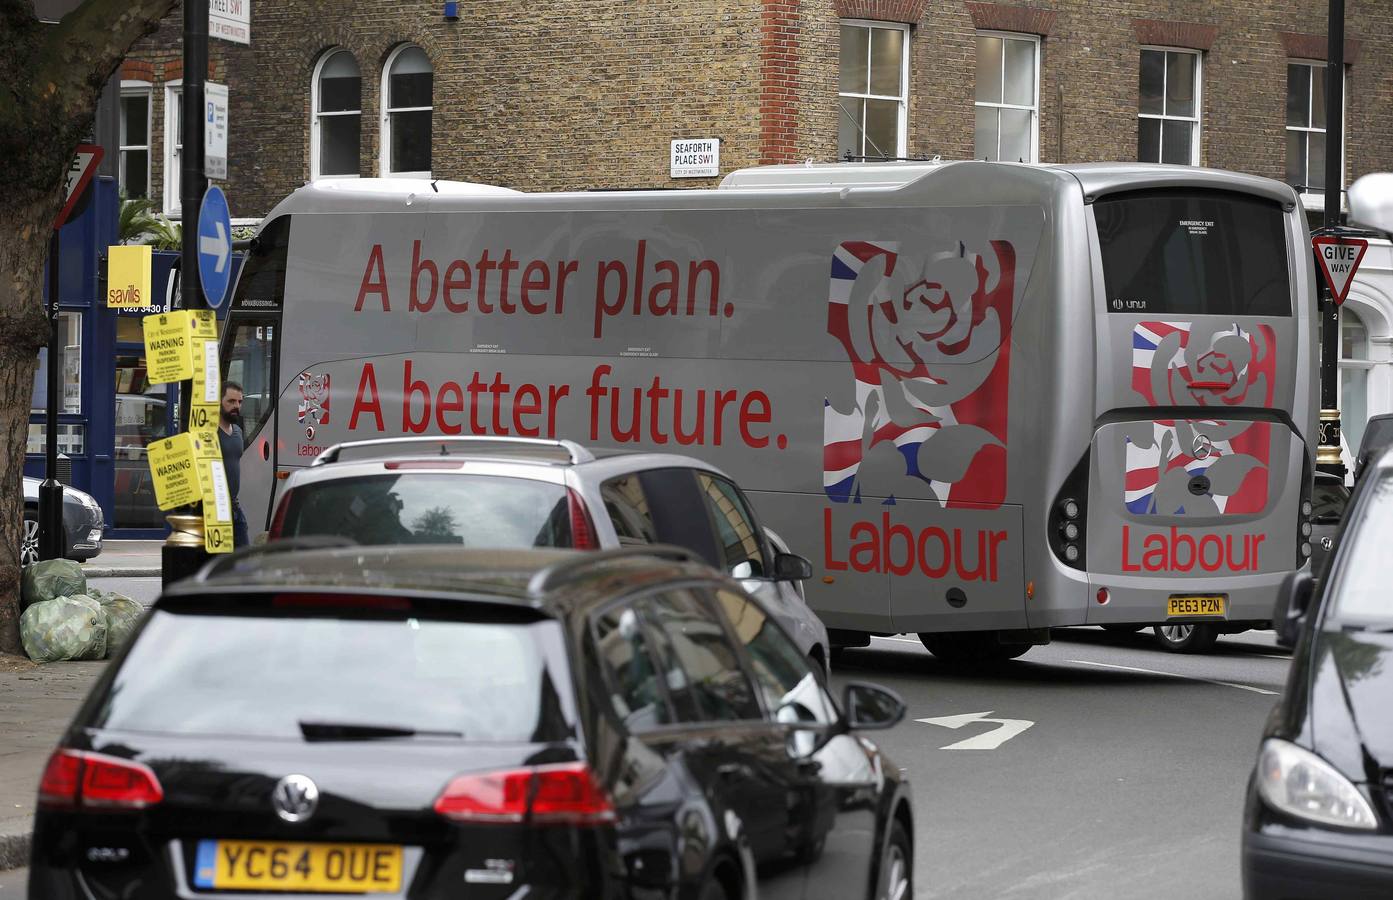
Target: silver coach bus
(984,399)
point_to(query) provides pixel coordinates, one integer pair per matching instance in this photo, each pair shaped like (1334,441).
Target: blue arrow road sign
(214,246)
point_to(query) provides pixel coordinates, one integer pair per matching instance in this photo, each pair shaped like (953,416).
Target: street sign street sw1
(83,167)
(230,20)
(214,246)
(1339,259)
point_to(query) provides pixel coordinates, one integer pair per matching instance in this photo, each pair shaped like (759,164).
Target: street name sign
(214,246)
(80,172)
(697,158)
(1339,259)
(128,276)
(215,130)
(230,20)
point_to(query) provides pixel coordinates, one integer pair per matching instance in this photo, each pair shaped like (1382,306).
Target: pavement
(38,701)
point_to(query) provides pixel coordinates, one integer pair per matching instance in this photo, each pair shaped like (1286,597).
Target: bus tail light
(582,527)
(1068,519)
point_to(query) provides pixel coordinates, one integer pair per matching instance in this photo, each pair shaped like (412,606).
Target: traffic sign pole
(1328,453)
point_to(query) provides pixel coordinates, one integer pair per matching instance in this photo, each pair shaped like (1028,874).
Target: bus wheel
(1197,638)
(970,647)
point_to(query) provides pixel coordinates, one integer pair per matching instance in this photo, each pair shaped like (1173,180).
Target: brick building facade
(571,95)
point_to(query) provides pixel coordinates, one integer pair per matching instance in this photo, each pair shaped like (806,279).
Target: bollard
(182,554)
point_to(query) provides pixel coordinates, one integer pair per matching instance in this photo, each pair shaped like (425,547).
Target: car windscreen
(331,672)
(415,507)
(1360,589)
(1193,252)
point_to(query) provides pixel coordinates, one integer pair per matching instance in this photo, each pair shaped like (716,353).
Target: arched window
(338,113)
(406,112)
(1355,365)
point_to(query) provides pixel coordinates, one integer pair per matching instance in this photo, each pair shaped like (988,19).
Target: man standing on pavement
(232,444)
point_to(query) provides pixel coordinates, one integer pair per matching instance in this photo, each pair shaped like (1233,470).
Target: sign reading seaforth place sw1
(1339,259)
(230,20)
(697,158)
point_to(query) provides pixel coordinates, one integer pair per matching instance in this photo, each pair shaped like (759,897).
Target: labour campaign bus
(983,399)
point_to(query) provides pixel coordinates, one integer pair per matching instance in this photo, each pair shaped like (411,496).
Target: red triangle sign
(1339,260)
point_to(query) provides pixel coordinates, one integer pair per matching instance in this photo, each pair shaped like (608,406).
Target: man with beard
(231,443)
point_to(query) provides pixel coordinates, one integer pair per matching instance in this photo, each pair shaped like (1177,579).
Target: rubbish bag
(122,616)
(64,628)
(51,578)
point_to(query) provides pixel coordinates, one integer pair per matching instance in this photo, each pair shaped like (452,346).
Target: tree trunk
(25,328)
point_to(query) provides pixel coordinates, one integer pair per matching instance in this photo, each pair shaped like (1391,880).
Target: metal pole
(192,183)
(1328,454)
(51,490)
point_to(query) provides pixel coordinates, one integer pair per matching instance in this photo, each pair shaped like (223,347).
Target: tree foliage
(51,76)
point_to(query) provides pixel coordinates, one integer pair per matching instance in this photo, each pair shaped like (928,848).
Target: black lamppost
(1328,453)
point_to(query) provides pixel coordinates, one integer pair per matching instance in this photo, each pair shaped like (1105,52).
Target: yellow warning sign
(217,537)
(217,506)
(206,399)
(169,343)
(175,470)
(128,276)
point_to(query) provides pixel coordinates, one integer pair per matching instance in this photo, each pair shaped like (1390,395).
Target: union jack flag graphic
(1163,456)
(903,420)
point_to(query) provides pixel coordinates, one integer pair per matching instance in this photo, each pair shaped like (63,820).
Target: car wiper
(355,731)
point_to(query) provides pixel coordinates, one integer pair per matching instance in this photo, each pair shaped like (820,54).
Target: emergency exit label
(1339,259)
(699,158)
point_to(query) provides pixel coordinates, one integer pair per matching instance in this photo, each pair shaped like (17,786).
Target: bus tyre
(1197,638)
(970,647)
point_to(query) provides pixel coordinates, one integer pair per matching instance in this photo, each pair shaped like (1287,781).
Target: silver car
(82,524)
(521,492)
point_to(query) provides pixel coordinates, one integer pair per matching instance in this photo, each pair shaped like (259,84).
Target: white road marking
(898,640)
(1241,687)
(990,740)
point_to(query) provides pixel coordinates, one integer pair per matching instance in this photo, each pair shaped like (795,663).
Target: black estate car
(1319,815)
(432,722)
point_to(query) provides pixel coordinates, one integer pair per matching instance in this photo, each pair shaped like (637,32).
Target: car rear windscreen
(318,675)
(1193,252)
(416,507)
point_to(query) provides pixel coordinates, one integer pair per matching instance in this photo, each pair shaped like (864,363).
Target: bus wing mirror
(1371,201)
(1293,607)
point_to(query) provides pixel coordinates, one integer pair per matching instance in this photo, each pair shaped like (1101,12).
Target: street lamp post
(1328,453)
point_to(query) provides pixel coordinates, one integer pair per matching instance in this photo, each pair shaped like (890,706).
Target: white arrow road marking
(1241,687)
(215,246)
(1005,730)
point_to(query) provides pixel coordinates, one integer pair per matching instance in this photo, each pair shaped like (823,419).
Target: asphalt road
(1129,783)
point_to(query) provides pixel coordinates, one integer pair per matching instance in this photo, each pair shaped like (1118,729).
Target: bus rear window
(1193,253)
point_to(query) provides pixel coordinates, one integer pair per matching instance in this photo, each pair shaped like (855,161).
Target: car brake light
(74,778)
(424,464)
(278,523)
(582,528)
(561,794)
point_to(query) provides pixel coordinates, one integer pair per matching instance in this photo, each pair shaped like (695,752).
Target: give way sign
(1339,259)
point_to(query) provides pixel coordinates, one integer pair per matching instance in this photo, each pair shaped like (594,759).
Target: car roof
(513,457)
(550,581)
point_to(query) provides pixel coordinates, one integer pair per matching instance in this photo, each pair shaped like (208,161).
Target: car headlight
(1297,782)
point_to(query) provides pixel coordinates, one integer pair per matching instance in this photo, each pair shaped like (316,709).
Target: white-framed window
(1168,109)
(336,93)
(406,112)
(1306,126)
(1355,368)
(872,93)
(173,144)
(1008,97)
(134,169)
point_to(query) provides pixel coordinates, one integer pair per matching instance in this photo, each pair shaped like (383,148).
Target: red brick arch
(904,11)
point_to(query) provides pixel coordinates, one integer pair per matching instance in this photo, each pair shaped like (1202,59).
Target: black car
(82,524)
(1319,814)
(1378,436)
(432,722)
